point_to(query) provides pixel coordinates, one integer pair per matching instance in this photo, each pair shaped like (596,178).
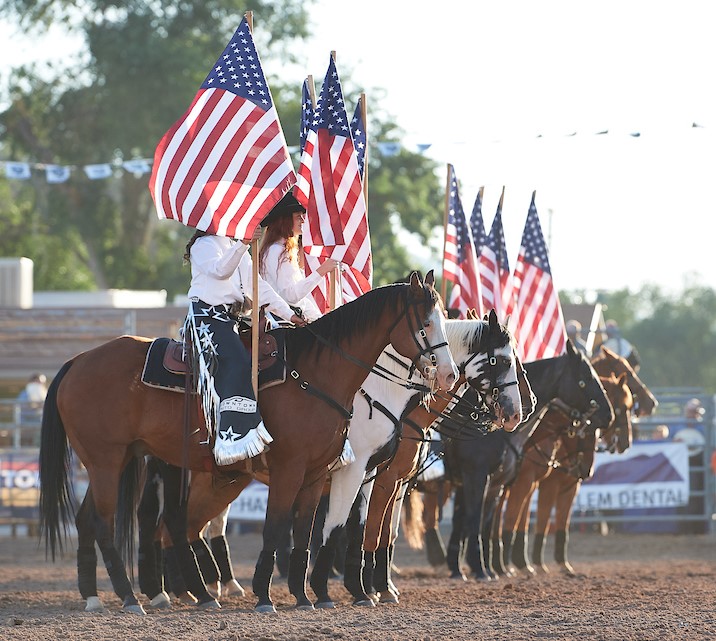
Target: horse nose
(451,379)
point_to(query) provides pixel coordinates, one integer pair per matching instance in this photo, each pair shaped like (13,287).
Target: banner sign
(647,475)
(19,483)
(251,504)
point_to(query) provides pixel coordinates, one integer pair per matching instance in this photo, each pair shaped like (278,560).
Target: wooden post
(443,289)
(255,306)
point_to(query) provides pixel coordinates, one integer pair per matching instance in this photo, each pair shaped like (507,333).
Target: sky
(515,94)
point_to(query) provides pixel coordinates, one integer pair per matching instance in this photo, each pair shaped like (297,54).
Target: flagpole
(332,281)
(254,285)
(445,226)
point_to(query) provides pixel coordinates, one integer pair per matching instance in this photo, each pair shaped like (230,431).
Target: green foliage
(675,334)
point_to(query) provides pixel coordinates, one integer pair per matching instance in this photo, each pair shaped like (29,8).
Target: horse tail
(130,489)
(413,523)
(56,492)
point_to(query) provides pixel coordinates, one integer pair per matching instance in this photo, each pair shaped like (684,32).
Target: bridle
(409,304)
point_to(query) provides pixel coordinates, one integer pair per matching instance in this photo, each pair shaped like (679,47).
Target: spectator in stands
(620,345)
(691,429)
(32,398)
(574,333)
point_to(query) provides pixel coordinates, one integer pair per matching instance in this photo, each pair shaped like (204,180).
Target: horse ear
(570,347)
(416,285)
(494,324)
(430,279)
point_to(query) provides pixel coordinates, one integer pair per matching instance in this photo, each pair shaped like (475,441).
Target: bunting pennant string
(138,167)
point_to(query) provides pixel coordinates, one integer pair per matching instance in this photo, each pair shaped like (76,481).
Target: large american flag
(329,186)
(460,260)
(360,137)
(224,164)
(494,269)
(538,320)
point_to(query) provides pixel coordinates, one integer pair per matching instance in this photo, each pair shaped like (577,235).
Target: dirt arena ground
(631,587)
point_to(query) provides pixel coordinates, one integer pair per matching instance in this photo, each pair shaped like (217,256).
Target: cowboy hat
(285,207)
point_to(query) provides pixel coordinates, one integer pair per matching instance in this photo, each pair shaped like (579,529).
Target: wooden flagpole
(332,280)
(443,289)
(254,286)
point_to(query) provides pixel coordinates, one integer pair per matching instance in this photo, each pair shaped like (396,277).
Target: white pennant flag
(96,172)
(17,170)
(137,166)
(57,173)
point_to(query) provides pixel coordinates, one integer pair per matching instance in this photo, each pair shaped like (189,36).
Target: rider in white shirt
(281,258)
(221,270)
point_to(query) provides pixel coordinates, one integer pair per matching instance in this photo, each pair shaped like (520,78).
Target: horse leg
(490,548)
(306,504)
(149,559)
(501,539)
(105,484)
(175,519)
(87,555)
(207,512)
(356,526)
(520,551)
(562,518)
(345,485)
(474,488)
(283,490)
(456,542)
(172,572)
(216,533)
(433,541)
(381,558)
(546,499)
(371,550)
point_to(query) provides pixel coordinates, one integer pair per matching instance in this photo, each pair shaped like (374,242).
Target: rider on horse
(221,283)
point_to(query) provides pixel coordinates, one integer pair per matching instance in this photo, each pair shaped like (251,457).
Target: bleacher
(42,339)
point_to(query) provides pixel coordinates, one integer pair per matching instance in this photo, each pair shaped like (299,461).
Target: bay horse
(487,468)
(98,405)
(562,452)
(484,353)
(558,491)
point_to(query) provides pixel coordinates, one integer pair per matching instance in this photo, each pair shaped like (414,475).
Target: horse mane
(345,321)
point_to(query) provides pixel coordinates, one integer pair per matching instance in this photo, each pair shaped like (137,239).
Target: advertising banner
(647,475)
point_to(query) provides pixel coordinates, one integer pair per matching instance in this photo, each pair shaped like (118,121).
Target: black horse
(483,467)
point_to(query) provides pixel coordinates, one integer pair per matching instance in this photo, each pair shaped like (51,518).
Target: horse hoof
(134,608)
(374,596)
(365,603)
(94,604)
(161,601)
(187,598)
(325,605)
(214,589)
(388,598)
(209,605)
(305,606)
(233,588)
(265,609)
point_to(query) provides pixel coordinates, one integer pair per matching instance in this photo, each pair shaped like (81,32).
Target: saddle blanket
(165,369)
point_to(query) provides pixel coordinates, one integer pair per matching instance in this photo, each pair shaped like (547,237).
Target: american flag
(224,164)
(539,324)
(495,269)
(306,112)
(460,260)
(329,186)
(360,137)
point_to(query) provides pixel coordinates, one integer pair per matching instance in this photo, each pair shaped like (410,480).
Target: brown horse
(558,491)
(98,403)
(607,362)
(558,477)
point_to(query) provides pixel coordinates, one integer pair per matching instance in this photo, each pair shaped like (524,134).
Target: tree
(675,334)
(144,63)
